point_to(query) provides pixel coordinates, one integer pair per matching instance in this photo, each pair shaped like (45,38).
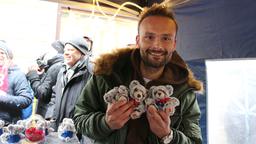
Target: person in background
(153,62)
(90,63)
(15,92)
(43,77)
(58,45)
(71,79)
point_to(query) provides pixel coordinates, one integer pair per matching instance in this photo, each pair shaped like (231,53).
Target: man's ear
(137,40)
(174,45)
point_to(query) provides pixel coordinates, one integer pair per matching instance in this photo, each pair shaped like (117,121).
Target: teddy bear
(23,124)
(138,94)
(160,97)
(12,134)
(36,128)
(48,128)
(66,130)
(1,127)
(117,94)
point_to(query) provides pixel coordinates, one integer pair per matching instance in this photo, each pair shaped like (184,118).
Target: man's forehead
(157,24)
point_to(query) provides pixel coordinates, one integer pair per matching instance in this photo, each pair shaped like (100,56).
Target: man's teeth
(156,53)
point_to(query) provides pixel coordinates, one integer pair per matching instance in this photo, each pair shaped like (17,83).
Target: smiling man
(154,62)
(70,81)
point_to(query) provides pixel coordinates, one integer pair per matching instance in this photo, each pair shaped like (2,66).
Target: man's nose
(66,53)
(157,42)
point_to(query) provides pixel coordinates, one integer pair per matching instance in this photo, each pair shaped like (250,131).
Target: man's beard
(155,64)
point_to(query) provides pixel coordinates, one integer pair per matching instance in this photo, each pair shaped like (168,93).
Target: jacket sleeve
(89,114)
(21,97)
(42,87)
(51,105)
(189,131)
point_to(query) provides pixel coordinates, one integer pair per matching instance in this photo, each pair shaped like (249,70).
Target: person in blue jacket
(15,93)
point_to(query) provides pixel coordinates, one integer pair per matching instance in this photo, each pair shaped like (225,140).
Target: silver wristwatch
(167,139)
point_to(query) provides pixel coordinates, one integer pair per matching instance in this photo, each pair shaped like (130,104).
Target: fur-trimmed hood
(178,71)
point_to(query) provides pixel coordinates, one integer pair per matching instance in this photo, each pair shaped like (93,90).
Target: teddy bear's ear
(114,90)
(11,128)
(123,88)
(133,83)
(19,122)
(170,89)
(65,120)
(1,123)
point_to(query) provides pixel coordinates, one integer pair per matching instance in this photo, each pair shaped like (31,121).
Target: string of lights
(174,3)
(117,11)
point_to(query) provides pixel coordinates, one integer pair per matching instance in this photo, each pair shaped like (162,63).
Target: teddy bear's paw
(122,98)
(135,115)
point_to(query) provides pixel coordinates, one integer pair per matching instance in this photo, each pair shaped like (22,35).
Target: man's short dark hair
(157,10)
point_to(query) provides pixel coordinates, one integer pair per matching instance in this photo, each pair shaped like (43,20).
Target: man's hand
(36,68)
(33,68)
(159,121)
(118,113)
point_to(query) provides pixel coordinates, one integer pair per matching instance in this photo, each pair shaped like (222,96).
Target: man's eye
(149,37)
(167,38)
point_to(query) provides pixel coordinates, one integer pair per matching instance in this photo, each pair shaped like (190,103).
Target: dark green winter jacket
(121,67)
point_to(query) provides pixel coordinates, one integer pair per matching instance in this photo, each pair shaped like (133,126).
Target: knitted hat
(58,46)
(80,44)
(8,51)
